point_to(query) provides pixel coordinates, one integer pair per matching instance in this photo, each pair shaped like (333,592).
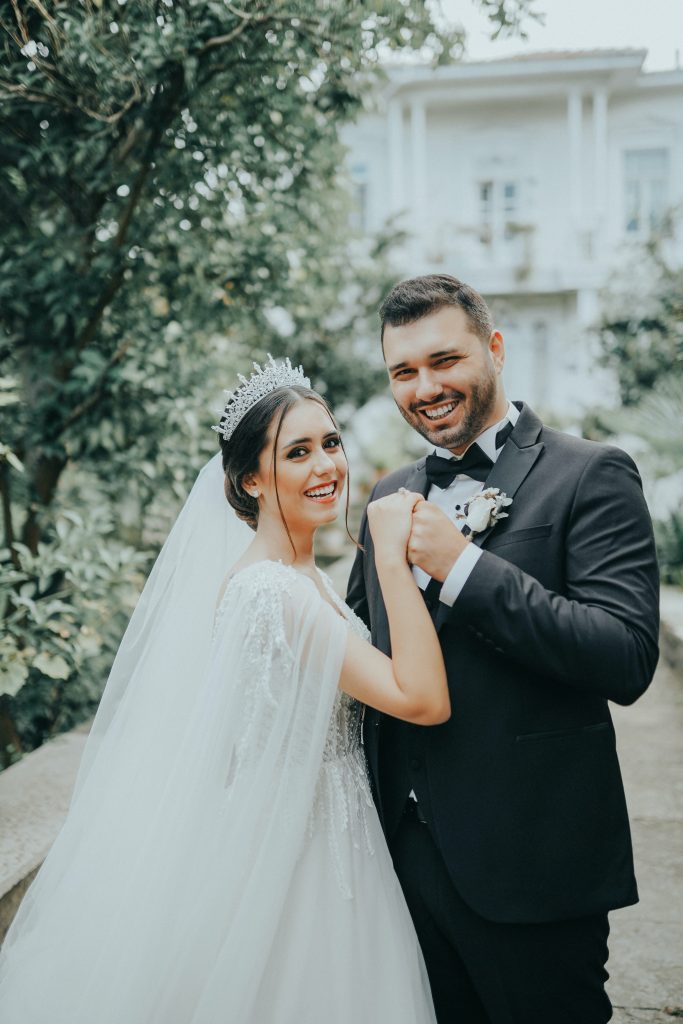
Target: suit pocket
(556,733)
(516,536)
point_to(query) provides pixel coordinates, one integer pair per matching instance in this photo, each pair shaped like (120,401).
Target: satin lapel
(417,479)
(507,474)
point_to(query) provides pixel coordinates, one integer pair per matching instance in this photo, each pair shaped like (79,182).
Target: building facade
(532,179)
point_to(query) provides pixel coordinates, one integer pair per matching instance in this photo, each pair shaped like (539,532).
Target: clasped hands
(405,523)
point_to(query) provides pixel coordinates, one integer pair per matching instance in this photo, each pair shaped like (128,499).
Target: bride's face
(306,471)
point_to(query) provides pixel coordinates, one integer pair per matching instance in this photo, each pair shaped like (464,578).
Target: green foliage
(510,18)
(641,328)
(669,538)
(63,612)
(642,339)
(656,419)
(172,206)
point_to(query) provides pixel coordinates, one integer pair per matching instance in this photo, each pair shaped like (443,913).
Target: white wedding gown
(226,865)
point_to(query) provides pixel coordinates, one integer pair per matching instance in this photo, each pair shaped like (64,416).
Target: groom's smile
(440,413)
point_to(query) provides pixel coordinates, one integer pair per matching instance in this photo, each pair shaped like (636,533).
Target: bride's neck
(272,542)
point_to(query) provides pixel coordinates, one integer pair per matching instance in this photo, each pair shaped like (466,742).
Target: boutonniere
(484,510)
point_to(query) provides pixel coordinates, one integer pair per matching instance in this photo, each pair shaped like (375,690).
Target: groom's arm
(601,634)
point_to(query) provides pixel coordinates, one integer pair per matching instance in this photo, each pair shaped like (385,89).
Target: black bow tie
(475,463)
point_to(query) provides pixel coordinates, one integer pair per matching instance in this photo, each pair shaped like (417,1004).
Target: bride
(222,860)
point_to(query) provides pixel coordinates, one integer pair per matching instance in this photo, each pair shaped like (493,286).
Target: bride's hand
(390,520)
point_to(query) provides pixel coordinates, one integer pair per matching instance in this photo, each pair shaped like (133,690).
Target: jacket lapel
(416,479)
(509,471)
(514,462)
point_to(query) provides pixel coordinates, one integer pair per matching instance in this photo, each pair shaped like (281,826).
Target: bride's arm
(412,683)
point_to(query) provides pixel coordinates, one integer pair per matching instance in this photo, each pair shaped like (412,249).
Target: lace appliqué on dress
(342,795)
(260,589)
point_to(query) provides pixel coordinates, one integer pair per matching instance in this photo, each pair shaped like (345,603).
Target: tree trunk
(8,736)
(46,474)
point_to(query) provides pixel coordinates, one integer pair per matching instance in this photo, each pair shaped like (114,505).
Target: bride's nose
(323,463)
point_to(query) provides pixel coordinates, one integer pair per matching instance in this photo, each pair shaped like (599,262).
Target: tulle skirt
(346,951)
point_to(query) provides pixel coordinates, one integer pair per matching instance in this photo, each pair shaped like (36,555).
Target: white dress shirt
(451,500)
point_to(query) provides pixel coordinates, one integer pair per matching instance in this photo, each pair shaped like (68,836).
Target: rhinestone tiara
(262,381)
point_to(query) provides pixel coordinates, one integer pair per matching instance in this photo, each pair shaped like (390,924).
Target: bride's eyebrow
(308,440)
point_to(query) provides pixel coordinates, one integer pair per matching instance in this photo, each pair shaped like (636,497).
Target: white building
(529,178)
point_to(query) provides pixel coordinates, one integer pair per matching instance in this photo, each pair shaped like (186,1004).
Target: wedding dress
(222,860)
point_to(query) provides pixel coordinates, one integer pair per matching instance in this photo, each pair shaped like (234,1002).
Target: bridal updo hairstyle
(241,453)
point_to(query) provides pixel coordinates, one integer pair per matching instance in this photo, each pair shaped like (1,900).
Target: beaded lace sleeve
(284,647)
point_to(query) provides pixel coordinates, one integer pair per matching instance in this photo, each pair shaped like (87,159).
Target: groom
(508,825)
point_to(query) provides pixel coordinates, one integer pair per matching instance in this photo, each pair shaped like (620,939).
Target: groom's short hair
(417,297)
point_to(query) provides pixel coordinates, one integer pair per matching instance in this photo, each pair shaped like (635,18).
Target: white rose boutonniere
(484,510)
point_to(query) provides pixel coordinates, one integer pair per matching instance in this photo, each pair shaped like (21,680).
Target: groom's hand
(435,542)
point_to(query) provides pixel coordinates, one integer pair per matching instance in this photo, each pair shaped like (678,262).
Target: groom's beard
(476,411)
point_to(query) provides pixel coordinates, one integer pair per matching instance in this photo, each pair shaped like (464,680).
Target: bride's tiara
(262,381)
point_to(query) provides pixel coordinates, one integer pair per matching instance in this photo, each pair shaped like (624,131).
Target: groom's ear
(496,347)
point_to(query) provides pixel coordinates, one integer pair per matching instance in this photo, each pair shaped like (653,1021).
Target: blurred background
(186,187)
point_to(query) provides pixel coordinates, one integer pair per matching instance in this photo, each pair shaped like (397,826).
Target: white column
(418,147)
(396,155)
(600,156)
(575,130)
(575,235)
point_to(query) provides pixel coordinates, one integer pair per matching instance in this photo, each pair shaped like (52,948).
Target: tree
(171,205)
(641,325)
(641,331)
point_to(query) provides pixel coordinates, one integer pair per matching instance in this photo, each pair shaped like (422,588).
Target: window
(359,180)
(486,201)
(498,205)
(646,183)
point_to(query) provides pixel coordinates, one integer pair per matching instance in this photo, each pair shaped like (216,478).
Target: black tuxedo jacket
(521,788)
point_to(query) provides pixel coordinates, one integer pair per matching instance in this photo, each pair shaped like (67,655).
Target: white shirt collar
(487,439)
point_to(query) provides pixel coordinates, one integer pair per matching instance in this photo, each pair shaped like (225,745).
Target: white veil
(168,638)
(160,898)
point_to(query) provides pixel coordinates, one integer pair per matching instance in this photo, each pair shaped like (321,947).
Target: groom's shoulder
(580,451)
(397,478)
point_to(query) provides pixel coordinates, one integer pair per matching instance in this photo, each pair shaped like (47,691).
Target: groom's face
(444,378)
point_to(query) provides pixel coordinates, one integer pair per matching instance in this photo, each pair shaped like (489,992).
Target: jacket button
(415,763)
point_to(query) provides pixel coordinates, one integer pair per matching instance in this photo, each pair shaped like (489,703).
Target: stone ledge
(9,903)
(34,799)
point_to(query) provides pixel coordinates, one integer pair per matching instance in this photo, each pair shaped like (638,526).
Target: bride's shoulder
(265,595)
(265,573)
(265,580)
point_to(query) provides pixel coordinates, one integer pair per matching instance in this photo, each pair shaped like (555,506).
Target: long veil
(159,900)
(167,641)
